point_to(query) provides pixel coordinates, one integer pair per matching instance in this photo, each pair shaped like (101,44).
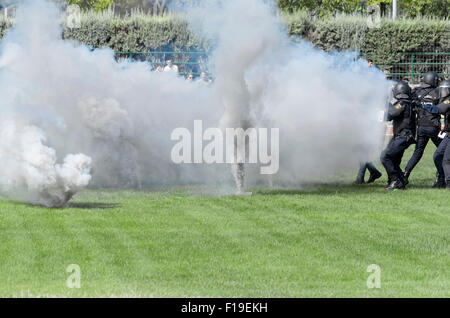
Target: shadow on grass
(92,205)
(344,188)
(325,189)
(70,205)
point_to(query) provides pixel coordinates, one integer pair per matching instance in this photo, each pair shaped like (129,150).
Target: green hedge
(406,36)
(136,33)
(384,41)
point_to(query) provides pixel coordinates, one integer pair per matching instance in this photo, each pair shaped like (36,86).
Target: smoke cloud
(60,99)
(326,105)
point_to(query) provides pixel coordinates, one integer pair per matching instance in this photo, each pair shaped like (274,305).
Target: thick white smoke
(59,97)
(29,170)
(326,105)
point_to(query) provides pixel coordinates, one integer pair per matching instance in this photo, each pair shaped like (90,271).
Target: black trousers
(363,166)
(442,159)
(391,158)
(424,134)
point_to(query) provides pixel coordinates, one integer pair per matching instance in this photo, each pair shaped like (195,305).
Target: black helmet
(402,90)
(431,79)
(444,89)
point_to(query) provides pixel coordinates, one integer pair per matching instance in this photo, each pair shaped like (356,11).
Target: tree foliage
(96,5)
(407,8)
(322,7)
(155,7)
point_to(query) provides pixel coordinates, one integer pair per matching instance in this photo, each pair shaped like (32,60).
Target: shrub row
(384,40)
(136,33)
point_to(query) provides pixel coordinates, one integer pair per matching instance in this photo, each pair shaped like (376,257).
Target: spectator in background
(170,67)
(159,69)
(190,78)
(204,79)
(372,65)
(203,63)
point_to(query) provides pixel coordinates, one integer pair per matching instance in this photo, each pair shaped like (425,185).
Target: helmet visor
(444,90)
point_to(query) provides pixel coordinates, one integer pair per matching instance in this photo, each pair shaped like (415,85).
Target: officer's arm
(430,108)
(396,110)
(444,107)
(439,109)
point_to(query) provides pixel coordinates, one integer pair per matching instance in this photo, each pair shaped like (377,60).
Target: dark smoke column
(245,30)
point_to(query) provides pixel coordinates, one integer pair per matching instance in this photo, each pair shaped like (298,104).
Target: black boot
(439,183)
(406,177)
(374,176)
(396,184)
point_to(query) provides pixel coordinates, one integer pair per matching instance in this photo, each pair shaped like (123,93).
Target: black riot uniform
(442,154)
(429,125)
(363,166)
(402,113)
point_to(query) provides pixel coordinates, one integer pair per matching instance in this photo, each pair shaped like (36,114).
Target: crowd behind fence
(410,66)
(187,62)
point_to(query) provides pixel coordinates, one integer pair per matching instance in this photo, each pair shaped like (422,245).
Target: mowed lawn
(315,242)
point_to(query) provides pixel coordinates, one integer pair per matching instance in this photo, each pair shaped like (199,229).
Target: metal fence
(412,66)
(187,62)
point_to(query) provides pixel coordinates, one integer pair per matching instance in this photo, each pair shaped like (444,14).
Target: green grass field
(310,243)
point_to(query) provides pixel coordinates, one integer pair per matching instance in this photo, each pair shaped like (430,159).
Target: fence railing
(187,62)
(410,66)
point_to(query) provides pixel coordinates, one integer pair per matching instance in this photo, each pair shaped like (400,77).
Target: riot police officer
(429,125)
(402,113)
(442,154)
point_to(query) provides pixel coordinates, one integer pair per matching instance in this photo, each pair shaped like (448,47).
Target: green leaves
(352,32)
(322,7)
(138,32)
(97,5)
(407,8)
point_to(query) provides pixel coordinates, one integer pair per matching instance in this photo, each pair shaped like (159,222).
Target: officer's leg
(436,140)
(386,159)
(374,173)
(394,157)
(372,169)
(438,157)
(446,162)
(391,157)
(422,142)
(361,173)
(398,161)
